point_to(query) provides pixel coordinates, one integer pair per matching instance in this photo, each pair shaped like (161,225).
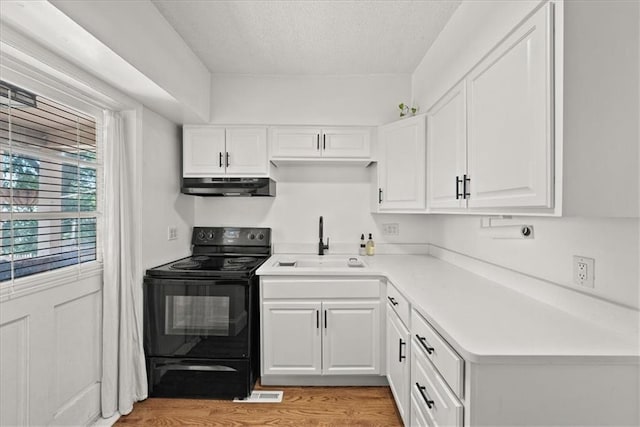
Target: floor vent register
(262,396)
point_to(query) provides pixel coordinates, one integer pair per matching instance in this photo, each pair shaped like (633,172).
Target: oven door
(198,318)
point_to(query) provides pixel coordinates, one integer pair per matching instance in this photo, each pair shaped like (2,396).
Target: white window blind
(49,176)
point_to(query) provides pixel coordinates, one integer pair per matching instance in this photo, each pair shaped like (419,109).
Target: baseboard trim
(323,380)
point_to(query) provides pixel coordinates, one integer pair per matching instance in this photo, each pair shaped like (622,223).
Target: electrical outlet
(391,229)
(172,233)
(584,271)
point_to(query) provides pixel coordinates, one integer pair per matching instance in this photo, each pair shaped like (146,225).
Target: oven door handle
(177,367)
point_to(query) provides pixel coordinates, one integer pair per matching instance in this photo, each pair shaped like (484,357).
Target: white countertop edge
(269,269)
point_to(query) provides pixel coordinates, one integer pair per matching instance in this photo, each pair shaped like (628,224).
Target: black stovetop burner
(216,263)
(220,252)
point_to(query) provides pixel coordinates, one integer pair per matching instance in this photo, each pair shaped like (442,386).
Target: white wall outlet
(172,233)
(391,229)
(584,271)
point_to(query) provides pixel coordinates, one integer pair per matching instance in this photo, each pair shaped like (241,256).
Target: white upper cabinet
(510,145)
(401,166)
(447,150)
(303,143)
(346,142)
(295,142)
(203,149)
(490,138)
(210,151)
(246,151)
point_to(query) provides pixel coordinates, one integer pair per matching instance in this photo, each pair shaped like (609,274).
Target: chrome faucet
(321,246)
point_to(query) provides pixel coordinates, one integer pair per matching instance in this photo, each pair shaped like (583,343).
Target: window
(49,169)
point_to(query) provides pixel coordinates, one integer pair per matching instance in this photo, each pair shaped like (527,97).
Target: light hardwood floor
(301,406)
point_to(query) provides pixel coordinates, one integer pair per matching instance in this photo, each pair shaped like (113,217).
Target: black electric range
(201,324)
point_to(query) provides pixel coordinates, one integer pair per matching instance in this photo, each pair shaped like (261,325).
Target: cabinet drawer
(330,288)
(419,418)
(444,358)
(431,394)
(399,304)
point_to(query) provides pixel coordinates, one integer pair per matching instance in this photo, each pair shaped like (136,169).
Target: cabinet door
(247,151)
(202,148)
(346,143)
(291,338)
(510,144)
(351,341)
(295,142)
(398,363)
(447,150)
(401,165)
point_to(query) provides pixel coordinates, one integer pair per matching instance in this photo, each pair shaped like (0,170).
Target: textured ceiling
(308,36)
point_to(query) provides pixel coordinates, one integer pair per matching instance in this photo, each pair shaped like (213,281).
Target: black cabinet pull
(423,393)
(379,195)
(318,141)
(325,319)
(458,181)
(220,158)
(317,319)
(324,142)
(425,344)
(227,159)
(465,180)
(392,301)
(400,355)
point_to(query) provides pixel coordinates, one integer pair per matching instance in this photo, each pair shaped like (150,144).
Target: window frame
(75,272)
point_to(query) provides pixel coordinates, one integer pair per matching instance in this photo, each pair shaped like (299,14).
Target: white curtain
(123,366)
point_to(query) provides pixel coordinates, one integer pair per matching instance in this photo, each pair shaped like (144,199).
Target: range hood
(218,187)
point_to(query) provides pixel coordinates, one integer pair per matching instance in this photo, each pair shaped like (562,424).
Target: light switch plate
(172,233)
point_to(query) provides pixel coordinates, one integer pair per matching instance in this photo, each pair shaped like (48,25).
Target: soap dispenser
(363,248)
(370,247)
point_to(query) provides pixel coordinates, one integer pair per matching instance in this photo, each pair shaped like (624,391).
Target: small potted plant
(405,110)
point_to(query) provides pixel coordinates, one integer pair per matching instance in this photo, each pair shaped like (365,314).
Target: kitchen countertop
(484,321)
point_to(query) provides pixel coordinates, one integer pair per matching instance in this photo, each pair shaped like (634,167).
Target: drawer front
(431,394)
(399,303)
(298,288)
(419,418)
(444,358)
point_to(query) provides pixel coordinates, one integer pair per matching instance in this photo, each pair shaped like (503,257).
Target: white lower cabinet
(291,337)
(398,362)
(332,332)
(351,338)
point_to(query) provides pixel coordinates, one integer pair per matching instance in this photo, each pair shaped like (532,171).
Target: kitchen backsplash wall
(163,205)
(613,243)
(339,193)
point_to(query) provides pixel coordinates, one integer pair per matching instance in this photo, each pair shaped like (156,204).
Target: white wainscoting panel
(14,373)
(77,346)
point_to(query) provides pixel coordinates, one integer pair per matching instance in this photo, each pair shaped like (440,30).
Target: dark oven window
(197,318)
(206,315)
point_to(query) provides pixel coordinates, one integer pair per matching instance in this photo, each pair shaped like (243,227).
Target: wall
(162,203)
(591,229)
(339,194)
(335,100)
(138,33)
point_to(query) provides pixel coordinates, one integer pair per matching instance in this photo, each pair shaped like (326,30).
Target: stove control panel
(231,236)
